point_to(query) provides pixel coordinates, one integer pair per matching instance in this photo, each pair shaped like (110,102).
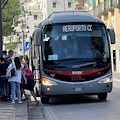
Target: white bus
(73,49)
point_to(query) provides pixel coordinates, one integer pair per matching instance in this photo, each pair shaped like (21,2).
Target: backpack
(8,60)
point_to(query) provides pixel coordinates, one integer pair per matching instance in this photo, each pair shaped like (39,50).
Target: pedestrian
(4,85)
(8,59)
(21,58)
(4,54)
(26,60)
(28,83)
(16,80)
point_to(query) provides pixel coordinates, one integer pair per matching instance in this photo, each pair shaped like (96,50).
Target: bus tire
(102,96)
(45,99)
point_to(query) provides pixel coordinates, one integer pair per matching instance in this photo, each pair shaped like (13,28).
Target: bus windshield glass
(75,41)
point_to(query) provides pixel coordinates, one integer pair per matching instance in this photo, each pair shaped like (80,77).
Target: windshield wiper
(100,63)
(83,65)
(62,61)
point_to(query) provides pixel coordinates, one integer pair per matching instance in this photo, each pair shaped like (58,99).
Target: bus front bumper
(69,88)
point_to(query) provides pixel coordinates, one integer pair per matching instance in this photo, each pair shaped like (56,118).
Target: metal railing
(100,8)
(91,12)
(95,11)
(114,3)
(106,5)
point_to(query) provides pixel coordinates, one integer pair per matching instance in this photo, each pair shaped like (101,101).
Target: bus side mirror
(37,38)
(112,35)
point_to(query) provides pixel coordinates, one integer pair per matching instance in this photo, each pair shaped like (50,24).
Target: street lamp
(13,25)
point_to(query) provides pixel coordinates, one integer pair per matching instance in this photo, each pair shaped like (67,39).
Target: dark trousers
(4,86)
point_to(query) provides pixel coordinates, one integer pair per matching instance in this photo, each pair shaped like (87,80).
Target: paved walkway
(9,111)
(35,112)
(6,111)
(116,75)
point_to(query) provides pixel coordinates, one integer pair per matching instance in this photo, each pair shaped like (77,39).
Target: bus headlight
(46,82)
(105,80)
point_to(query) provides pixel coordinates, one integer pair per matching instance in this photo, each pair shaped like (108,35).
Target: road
(85,107)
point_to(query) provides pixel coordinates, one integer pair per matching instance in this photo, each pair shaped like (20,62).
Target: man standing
(8,59)
(4,54)
(3,80)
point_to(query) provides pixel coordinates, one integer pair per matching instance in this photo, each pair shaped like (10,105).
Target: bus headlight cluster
(46,82)
(105,80)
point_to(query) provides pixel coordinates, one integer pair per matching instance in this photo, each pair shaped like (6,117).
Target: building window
(44,5)
(113,23)
(45,15)
(35,17)
(69,4)
(35,26)
(38,6)
(94,4)
(98,1)
(54,4)
(41,6)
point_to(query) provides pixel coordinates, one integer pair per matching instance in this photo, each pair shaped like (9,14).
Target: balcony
(91,12)
(79,6)
(95,12)
(100,8)
(115,3)
(106,5)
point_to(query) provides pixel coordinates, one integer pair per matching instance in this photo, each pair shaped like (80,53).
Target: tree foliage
(11,46)
(4,2)
(11,9)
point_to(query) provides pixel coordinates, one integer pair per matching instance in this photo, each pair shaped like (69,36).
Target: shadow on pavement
(62,100)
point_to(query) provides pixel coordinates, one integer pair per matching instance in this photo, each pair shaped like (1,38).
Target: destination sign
(74,28)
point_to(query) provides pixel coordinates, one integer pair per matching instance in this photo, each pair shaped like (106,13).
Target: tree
(4,2)
(10,9)
(11,46)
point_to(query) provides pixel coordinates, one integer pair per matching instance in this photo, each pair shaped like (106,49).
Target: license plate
(78,89)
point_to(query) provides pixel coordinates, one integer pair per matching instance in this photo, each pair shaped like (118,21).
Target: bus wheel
(45,99)
(102,96)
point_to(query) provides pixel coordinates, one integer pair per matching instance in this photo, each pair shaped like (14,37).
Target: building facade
(109,12)
(34,15)
(50,6)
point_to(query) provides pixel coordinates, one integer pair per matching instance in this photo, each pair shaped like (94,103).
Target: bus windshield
(75,41)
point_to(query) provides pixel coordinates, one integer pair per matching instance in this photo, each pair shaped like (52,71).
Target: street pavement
(6,111)
(67,107)
(35,112)
(85,107)
(9,111)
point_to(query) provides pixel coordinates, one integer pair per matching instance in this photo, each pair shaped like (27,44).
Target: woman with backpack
(16,79)
(28,83)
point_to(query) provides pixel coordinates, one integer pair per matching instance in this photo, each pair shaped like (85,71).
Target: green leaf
(11,46)
(11,9)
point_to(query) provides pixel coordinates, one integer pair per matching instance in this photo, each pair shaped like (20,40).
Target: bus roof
(70,16)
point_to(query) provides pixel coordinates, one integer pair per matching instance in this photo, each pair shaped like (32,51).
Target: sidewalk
(35,112)
(9,111)
(116,75)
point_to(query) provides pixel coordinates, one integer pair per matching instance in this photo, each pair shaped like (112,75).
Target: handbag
(11,72)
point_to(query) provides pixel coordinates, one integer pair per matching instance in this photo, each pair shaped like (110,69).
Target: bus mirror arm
(112,35)
(38,34)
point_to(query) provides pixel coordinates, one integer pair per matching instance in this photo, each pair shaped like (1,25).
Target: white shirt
(19,73)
